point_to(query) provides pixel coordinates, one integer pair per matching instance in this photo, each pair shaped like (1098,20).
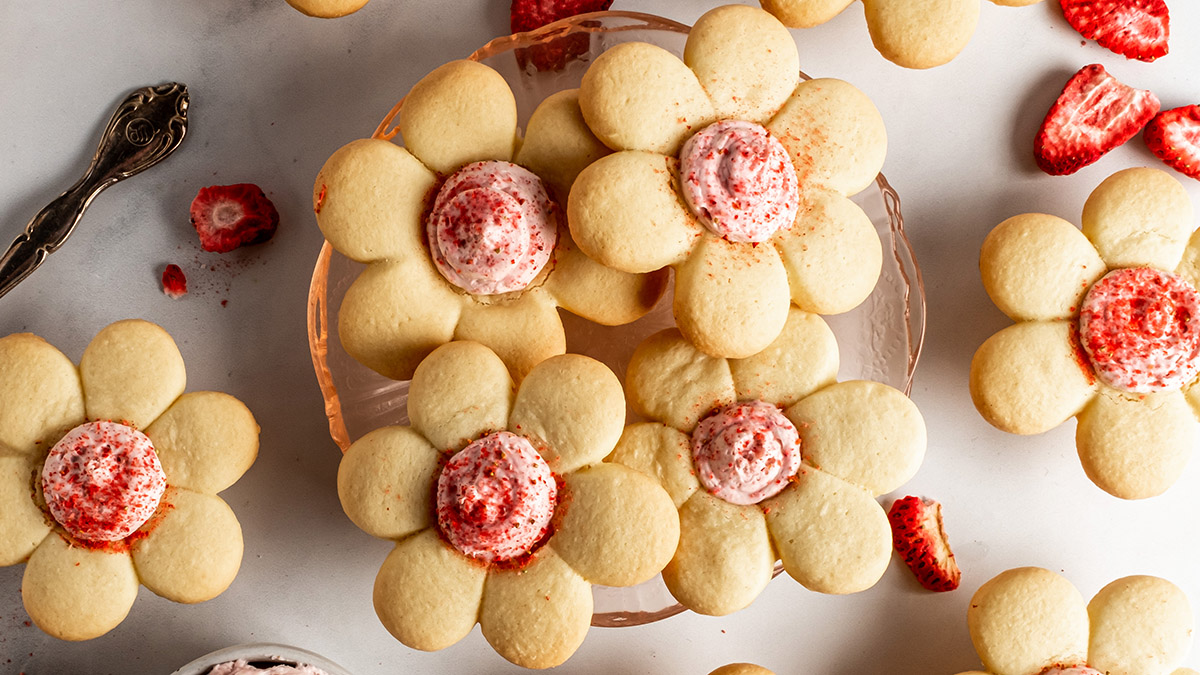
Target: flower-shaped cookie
(501,508)
(741,669)
(907,33)
(109,477)
(1031,621)
(751,217)
(769,457)
(327,9)
(461,242)
(1104,331)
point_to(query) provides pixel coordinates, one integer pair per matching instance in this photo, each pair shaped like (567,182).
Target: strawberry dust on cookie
(1070,670)
(739,181)
(746,452)
(1094,114)
(920,538)
(102,481)
(492,228)
(1139,328)
(229,216)
(495,498)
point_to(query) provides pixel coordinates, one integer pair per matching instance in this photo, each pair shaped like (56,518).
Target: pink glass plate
(880,340)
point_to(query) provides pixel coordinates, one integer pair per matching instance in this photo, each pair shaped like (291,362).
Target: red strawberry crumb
(174,283)
(530,14)
(229,216)
(1174,137)
(919,538)
(1094,114)
(1135,29)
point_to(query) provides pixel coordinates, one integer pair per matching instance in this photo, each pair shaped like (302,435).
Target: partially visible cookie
(741,669)
(327,9)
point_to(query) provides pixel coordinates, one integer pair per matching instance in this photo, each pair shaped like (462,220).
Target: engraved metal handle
(146,128)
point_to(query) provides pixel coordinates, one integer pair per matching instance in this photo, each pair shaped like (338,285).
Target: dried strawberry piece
(229,216)
(1094,114)
(1136,29)
(1174,137)
(919,537)
(530,14)
(174,283)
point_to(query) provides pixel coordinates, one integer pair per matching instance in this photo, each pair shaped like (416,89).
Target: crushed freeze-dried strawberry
(174,283)
(229,216)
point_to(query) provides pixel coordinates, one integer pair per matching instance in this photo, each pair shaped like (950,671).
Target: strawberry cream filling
(745,452)
(739,181)
(495,498)
(103,481)
(492,228)
(1070,670)
(1139,328)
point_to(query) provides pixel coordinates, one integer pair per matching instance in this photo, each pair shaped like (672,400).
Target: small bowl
(264,655)
(880,340)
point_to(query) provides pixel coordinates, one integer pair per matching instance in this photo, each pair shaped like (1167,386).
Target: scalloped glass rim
(888,330)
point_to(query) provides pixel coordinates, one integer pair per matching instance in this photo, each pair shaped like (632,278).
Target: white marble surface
(274,93)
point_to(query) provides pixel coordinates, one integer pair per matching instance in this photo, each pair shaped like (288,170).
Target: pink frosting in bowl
(746,452)
(492,228)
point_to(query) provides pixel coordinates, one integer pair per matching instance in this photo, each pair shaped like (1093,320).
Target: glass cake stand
(879,340)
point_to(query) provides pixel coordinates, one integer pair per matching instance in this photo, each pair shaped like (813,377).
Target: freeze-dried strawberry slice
(174,283)
(229,216)
(1136,29)
(1174,136)
(919,538)
(530,14)
(1094,114)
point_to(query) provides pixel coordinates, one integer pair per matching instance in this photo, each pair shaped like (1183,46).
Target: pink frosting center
(746,452)
(739,181)
(103,481)
(1141,329)
(1070,670)
(495,498)
(492,228)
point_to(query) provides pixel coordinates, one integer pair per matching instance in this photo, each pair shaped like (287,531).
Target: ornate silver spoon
(146,128)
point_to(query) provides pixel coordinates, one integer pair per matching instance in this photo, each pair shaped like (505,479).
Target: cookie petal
(598,293)
(395,313)
(1140,626)
(1189,267)
(833,537)
(459,393)
(724,559)
(74,593)
(1135,448)
(731,299)
(193,553)
(23,526)
(386,482)
(741,669)
(803,359)
(832,254)
(1037,267)
(671,382)
(921,35)
(573,407)
(661,452)
(625,212)
(1025,619)
(558,143)
(637,96)
(370,200)
(462,112)
(537,616)
(618,527)
(427,595)
(863,432)
(805,13)
(206,440)
(41,397)
(834,135)
(745,59)
(1029,378)
(131,371)
(523,333)
(1139,217)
